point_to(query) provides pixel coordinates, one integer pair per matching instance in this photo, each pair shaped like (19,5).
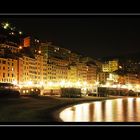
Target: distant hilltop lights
(8,26)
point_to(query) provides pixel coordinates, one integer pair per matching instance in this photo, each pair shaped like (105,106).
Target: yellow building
(72,74)
(57,70)
(82,72)
(8,70)
(113,65)
(33,70)
(110,66)
(91,74)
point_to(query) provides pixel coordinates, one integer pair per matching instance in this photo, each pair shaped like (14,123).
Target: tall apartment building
(57,69)
(91,74)
(72,74)
(8,70)
(32,70)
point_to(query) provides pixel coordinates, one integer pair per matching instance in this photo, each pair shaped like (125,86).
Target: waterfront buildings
(27,61)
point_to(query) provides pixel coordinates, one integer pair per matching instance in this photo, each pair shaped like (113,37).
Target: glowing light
(107,84)
(84,83)
(5,25)
(96,83)
(20,32)
(41,83)
(129,86)
(124,86)
(62,83)
(137,86)
(78,84)
(29,83)
(20,47)
(50,84)
(14,82)
(120,67)
(114,86)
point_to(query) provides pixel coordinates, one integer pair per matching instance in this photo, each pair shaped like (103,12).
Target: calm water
(117,110)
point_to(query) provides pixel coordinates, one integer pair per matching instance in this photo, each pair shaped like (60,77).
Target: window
(3,62)
(8,74)
(12,64)
(3,75)
(12,75)
(3,68)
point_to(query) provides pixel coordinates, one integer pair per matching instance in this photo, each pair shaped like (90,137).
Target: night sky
(95,36)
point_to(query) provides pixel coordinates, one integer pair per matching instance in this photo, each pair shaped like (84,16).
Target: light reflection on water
(117,110)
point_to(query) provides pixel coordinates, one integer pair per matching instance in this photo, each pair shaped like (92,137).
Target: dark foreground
(39,109)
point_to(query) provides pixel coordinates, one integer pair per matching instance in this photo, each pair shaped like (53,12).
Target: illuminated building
(131,78)
(110,66)
(113,65)
(57,69)
(91,74)
(26,42)
(51,50)
(72,74)
(102,77)
(74,58)
(20,70)
(112,78)
(91,67)
(81,72)
(8,70)
(12,48)
(32,69)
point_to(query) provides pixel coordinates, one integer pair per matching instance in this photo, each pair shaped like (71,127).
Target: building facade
(110,66)
(8,70)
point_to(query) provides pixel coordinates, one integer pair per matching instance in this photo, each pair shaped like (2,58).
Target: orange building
(26,42)
(8,70)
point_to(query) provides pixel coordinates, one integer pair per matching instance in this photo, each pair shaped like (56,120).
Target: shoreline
(56,111)
(41,109)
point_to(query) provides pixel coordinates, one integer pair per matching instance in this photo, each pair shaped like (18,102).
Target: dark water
(117,110)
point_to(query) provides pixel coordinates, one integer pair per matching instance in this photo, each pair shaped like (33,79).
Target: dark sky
(94,36)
